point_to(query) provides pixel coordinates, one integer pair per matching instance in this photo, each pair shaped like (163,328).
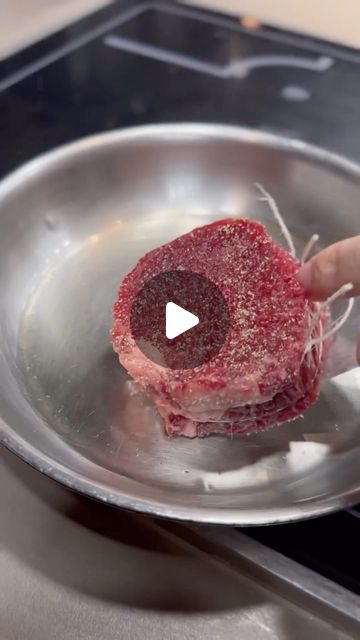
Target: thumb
(326,272)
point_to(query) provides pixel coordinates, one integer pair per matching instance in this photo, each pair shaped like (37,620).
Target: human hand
(333,267)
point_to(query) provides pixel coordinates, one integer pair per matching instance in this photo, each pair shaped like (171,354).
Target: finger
(326,272)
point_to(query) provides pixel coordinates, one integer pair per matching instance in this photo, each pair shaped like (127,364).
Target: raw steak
(260,377)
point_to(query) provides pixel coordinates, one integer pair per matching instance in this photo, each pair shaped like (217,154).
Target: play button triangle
(178,320)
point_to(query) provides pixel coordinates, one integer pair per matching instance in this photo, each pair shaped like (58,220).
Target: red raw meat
(260,377)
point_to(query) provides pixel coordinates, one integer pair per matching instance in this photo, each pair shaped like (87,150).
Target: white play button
(178,320)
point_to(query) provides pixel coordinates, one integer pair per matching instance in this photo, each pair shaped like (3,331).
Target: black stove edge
(276,573)
(101,21)
(56,46)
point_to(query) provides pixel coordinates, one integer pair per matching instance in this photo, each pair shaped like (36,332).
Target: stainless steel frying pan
(72,222)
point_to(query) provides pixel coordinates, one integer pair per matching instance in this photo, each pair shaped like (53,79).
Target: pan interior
(73,228)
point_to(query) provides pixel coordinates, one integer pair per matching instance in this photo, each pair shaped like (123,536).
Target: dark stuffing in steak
(263,375)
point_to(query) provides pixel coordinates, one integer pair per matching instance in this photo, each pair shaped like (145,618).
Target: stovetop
(135,63)
(327,545)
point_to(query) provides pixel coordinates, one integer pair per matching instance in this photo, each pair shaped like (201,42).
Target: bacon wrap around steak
(261,377)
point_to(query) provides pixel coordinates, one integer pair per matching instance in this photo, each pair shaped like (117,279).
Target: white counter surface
(335,20)
(23,21)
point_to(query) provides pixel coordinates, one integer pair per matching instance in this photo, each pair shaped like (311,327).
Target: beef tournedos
(263,375)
